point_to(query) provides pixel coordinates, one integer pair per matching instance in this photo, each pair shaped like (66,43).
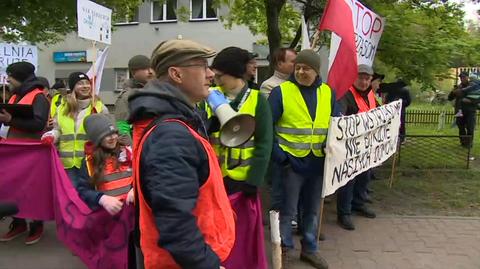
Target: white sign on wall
(359,142)
(94,21)
(12,53)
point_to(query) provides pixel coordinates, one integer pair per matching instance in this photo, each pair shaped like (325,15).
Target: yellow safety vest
(72,144)
(235,162)
(296,132)
(55,104)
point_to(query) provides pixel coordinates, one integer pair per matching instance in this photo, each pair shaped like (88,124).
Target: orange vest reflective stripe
(116,182)
(214,214)
(27,99)
(362,105)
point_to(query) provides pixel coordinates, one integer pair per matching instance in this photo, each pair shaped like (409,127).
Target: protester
(244,167)
(105,177)
(68,130)
(140,74)
(377,80)
(301,109)
(465,111)
(359,98)
(398,91)
(26,90)
(283,60)
(46,86)
(251,70)
(184,216)
(58,97)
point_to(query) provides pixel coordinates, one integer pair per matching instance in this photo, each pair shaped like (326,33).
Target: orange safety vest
(215,217)
(27,99)
(116,181)
(362,105)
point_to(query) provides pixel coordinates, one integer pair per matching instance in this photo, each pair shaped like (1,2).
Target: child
(106,173)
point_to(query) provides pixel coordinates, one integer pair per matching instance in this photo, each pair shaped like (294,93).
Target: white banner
(359,142)
(94,21)
(12,53)
(368,28)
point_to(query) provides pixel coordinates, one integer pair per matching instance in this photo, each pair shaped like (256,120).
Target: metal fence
(430,117)
(432,152)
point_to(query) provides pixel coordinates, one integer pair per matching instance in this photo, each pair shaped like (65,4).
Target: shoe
(36,232)
(314,259)
(365,211)
(345,221)
(471,158)
(16,228)
(321,237)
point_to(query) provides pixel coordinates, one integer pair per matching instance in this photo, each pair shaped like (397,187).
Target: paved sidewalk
(387,242)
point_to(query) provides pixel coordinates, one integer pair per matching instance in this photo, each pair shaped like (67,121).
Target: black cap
(44,82)
(463,74)
(232,61)
(76,77)
(378,76)
(21,71)
(58,85)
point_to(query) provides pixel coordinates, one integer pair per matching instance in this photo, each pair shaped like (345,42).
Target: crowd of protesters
(161,151)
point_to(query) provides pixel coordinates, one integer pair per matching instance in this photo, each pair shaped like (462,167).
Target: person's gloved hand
(47,139)
(249,190)
(111,204)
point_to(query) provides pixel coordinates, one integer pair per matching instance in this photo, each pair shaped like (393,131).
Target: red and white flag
(96,70)
(337,18)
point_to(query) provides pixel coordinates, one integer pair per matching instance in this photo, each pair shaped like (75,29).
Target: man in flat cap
(140,74)
(184,216)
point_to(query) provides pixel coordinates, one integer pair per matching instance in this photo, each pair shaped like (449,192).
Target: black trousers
(466,127)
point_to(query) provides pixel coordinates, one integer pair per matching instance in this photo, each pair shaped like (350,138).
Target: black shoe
(365,211)
(345,221)
(314,259)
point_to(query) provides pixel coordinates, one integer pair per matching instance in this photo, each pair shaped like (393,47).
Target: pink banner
(249,252)
(34,178)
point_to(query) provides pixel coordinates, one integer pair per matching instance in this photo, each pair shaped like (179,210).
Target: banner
(33,177)
(368,28)
(359,142)
(94,21)
(12,53)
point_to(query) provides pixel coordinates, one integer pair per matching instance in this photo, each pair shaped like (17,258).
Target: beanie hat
(232,61)
(97,127)
(20,71)
(138,62)
(58,85)
(76,77)
(310,58)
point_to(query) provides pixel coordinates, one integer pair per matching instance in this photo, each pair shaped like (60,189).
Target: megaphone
(235,128)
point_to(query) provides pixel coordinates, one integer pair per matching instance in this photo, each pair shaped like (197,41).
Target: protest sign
(94,21)
(12,53)
(368,28)
(359,142)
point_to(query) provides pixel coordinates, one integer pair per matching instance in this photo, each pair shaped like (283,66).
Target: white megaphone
(235,128)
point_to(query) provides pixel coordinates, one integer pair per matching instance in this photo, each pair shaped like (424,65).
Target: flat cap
(174,52)
(365,69)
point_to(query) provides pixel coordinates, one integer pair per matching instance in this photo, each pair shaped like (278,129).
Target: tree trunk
(273,8)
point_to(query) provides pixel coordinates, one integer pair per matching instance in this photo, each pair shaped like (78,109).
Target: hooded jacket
(41,109)
(173,166)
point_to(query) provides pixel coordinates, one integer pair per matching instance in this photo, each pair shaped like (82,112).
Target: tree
(47,21)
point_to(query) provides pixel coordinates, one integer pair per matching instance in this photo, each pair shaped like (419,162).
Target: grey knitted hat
(310,58)
(97,127)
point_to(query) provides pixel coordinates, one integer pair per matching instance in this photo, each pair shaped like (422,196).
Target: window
(202,10)
(128,18)
(121,76)
(164,10)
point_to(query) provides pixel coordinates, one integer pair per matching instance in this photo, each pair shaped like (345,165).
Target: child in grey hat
(106,173)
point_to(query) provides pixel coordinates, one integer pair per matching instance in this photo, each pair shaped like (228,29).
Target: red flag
(337,18)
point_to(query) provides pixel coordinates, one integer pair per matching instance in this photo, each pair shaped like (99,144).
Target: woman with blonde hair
(68,130)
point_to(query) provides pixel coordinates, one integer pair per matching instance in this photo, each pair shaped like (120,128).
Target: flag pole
(94,73)
(316,37)
(4,90)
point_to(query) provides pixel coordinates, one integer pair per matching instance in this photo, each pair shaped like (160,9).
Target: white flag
(99,65)
(305,37)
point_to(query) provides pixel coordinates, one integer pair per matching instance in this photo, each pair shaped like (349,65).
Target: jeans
(73,173)
(311,191)
(466,126)
(277,187)
(352,195)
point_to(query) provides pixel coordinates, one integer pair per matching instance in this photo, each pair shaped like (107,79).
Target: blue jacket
(309,165)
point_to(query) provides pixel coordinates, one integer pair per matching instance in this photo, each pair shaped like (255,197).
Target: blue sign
(70,57)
